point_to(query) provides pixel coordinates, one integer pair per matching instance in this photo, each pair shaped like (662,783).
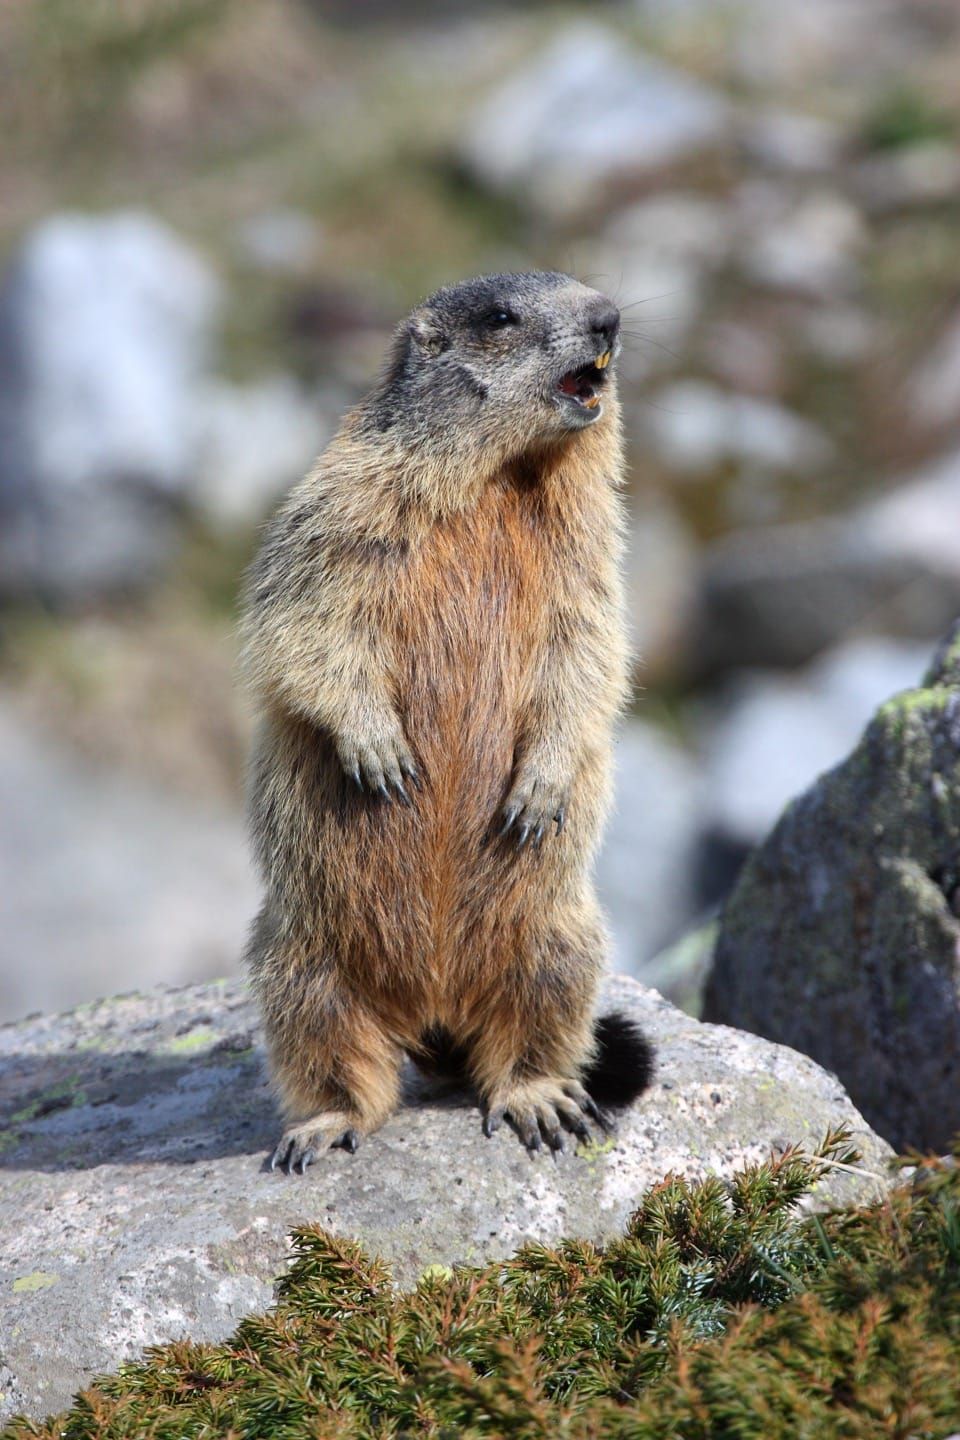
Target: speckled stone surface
(135,1206)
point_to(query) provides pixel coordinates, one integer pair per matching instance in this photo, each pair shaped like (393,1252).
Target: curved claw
(604,1120)
(349,1141)
(307,1158)
(560,819)
(355,777)
(279,1156)
(383,791)
(522,837)
(509,818)
(537,836)
(492,1122)
(402,791)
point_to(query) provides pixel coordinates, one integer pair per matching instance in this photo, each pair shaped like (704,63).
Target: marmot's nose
(605,322)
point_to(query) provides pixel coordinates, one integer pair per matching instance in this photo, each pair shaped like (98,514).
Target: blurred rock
(108,882)
(934,388)
(783,47)
(135,1206)
(745,357)
(283,241)
(838,333)
(807,248)
(679,225)
(772,735)
(917,175)
(253,441)
(661,587)
(644,869)
(693,428)
(842,937)
(778,596)
(105,330)
(790,142)
(585,114)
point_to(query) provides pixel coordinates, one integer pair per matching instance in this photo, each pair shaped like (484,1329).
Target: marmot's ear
(427,333)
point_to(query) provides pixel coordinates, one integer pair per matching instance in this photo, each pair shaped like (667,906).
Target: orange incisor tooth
(593,402)
(602,361)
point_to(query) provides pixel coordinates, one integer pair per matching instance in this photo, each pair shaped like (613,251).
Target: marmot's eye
(497,318)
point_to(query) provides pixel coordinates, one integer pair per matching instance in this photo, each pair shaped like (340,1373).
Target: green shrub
(721,1312)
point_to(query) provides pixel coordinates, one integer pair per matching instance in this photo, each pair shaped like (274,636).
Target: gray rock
(694,428)
(105,326)
(135,1208)
(253,441)
(934,388)
(679,225)
(808,248)
(643,872)
(283,241)
(791,142)
(778,596)
(584,114)
(838,333)
(109,882)
(842,937)
(782,48)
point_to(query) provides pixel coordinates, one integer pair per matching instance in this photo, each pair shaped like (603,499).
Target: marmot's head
(524,356)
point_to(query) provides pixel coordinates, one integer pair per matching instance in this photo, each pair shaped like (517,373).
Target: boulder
(105,327)
(135,1206)
(587,115)
(109,881)
(842,937)
(253,442)
(778,595)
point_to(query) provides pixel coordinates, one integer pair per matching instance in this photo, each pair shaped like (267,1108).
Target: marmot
(433,631)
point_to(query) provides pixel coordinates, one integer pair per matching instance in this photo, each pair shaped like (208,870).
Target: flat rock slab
(135,1206)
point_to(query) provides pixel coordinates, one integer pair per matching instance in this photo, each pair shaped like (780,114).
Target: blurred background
(212,213)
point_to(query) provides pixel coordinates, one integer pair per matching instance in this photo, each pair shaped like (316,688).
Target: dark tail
(624,1064)
(622,1070)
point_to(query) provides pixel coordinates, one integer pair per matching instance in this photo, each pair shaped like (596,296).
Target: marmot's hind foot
(301,1144)
(546,1110)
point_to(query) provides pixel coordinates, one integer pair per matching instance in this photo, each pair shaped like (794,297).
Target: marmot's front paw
(301,1144)
(533,805)
(541,1110)
(379,762)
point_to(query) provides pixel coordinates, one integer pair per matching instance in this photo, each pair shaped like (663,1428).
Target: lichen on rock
(842,937)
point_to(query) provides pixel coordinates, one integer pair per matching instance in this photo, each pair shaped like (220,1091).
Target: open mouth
(582,386)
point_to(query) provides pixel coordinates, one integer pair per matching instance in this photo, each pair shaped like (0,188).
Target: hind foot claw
(545,1112)
(301,1144)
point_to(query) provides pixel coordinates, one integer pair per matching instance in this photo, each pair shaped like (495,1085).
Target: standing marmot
(433,629)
